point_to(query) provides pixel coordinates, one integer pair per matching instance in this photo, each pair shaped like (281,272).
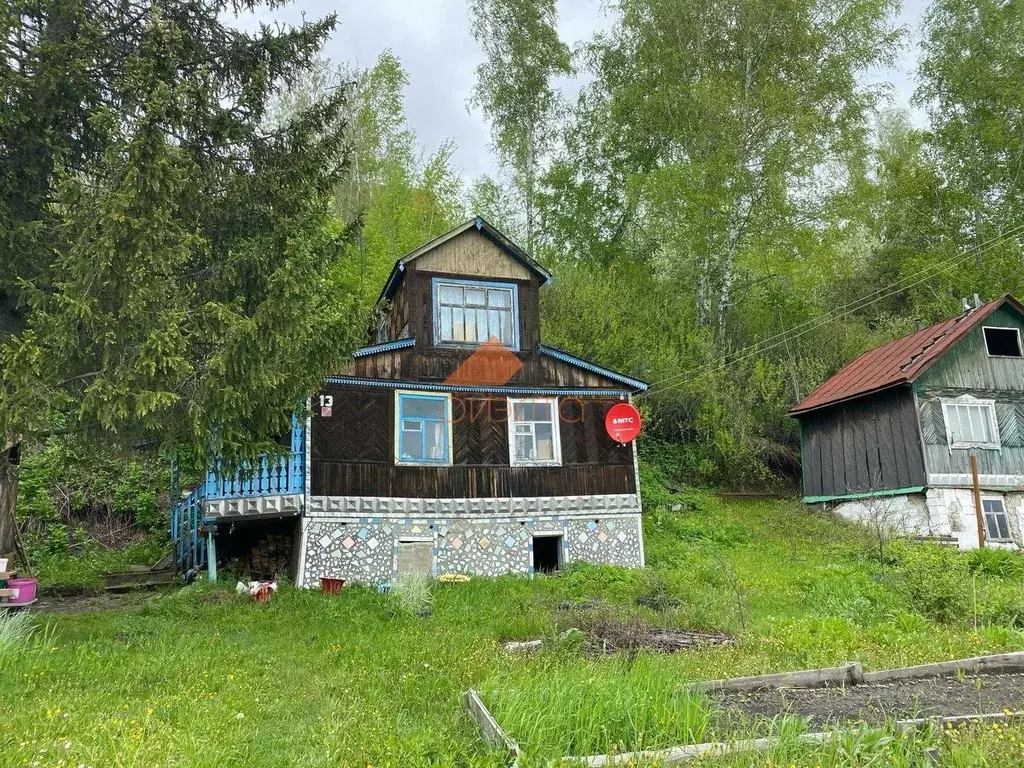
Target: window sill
(536,464)
(414,463)
(472,345)
(975,446)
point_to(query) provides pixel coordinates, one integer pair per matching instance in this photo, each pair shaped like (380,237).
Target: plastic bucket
(331,586)
(24,590)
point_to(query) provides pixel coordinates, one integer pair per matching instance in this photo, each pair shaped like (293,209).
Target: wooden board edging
(992,665)
(490,730)
(850,673)
(679,755)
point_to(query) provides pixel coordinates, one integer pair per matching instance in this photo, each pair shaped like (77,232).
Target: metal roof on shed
(898,362)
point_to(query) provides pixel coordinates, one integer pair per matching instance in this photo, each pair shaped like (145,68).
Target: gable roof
(635,384)
(900,361)
(488,230)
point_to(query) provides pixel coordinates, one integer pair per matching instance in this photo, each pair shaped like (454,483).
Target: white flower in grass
(240,716)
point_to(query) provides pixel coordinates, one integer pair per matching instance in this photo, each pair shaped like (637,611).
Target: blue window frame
(470,312)
(422,428)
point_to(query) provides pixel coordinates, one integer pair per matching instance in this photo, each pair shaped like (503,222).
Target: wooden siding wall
(967,366)
(472,254)
(353,452)
(398,316)
(1008,460)
(868,444)
(967,369)
(436,365)
(419,285)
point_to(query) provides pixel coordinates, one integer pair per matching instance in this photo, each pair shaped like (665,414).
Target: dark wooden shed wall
(353,451)
(865,445)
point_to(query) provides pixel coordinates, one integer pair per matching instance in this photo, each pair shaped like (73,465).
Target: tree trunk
(9,471)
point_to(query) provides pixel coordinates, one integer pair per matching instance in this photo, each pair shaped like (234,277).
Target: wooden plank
(490,730)
(886,450)
(861,479)
(850,673)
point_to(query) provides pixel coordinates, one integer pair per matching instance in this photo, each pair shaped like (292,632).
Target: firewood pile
(271,556)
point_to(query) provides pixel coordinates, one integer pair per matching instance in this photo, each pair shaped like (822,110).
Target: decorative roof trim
(386,346)
(479,223)
(565,357)
(442,387)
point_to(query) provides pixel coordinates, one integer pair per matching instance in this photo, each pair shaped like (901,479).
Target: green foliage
(86,512)
(75,560)
(172,250)
(936,580)
(514,88)
(393,685)
(1004,563)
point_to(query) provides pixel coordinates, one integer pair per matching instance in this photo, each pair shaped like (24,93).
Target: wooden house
(455,441)
(890,437)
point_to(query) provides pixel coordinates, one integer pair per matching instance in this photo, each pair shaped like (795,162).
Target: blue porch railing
(267,476)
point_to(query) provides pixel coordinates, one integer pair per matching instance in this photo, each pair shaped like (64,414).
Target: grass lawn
(201,677)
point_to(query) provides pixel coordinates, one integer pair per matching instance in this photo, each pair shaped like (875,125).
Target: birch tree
(730,119)
(514,89)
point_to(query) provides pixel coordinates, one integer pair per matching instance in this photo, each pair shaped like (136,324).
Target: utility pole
(978,512)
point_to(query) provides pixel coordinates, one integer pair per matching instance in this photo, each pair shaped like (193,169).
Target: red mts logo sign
(622,422)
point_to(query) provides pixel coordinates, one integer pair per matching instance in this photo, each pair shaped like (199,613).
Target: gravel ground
(901,699)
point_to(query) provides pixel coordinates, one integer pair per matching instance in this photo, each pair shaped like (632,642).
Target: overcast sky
(433,41)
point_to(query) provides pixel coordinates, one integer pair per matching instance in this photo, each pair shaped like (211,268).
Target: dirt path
(904,699)
(91,601)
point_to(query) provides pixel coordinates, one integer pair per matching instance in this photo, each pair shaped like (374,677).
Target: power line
(819,322)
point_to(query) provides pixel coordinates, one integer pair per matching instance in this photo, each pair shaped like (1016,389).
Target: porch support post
(211,556)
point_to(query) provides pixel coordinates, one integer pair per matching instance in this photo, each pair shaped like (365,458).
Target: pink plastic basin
(26,590)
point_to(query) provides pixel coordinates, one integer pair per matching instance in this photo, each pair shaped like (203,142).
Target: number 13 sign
(326,405)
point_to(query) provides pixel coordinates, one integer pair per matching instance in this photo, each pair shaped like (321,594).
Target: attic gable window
(470,312)
(1002,342)
(971,423)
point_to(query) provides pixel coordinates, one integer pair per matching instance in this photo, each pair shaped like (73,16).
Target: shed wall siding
(870,444)
(966,369)
(967,366)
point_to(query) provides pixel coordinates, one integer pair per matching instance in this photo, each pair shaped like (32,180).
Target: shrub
(936,580)
(996,562)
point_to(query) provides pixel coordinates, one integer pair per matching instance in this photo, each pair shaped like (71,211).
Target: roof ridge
(953,323)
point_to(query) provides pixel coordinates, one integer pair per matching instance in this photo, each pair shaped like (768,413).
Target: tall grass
(16,630)
(604,706)
(410,594)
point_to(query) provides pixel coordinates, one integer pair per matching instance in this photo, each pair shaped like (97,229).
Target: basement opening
(547,553)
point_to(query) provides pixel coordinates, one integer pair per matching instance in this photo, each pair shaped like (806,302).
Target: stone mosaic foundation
(365,550)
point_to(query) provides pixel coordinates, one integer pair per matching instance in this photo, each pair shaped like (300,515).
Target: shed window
(971,424)
(1002,342)
(424,429)
(468,312)
(533,432)
(997,527)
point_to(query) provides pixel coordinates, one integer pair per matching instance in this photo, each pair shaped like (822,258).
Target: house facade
(890,438)
(456,442)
